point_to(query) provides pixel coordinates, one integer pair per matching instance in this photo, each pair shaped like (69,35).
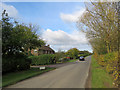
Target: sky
(56,21)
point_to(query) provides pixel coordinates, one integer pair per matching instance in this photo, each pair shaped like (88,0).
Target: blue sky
(57,21)
(46,14)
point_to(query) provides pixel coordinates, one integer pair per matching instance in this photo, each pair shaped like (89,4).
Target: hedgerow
(110,62)
(43,59)
(16,62)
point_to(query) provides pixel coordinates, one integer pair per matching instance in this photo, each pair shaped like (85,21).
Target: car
(81,58)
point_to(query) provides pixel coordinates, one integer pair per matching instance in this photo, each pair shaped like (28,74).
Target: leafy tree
(84,53)
(100,23)
(73,53)
(59,55)
(18,37)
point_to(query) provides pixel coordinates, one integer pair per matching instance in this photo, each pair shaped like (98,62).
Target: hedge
(16,62)
(43,59)
(110,62)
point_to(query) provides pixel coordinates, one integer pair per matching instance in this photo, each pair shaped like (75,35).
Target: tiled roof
(46,48)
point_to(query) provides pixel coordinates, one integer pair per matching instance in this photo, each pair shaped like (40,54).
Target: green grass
(12,78)
(72,60)
(100,78)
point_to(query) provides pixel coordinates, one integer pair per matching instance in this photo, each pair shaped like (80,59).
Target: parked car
(81,58)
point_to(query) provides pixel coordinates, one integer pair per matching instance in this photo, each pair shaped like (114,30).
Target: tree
(100,23)
(18,37)
(16,40)
(73,53)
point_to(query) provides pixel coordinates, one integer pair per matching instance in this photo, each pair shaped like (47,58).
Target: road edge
(89,78)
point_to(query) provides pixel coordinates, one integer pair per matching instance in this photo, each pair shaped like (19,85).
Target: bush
(112,66)
(23,62)
(110,62)
(15,62)
(101,61)
(66,59)
(43,59)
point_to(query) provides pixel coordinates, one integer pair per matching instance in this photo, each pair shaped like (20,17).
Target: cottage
(42,50)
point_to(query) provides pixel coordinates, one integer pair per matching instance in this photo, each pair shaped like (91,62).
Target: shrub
(101,61)
(23,62)
(15,62)
(65,59)
(43,59)
(60,60)
(34,59)
(59,56)
(112,66)
(8,65)
(110,62)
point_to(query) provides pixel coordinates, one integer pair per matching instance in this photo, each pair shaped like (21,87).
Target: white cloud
(64,41)
(62,38)
(11,10)
(72,17)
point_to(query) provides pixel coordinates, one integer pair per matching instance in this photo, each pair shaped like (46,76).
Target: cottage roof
(46,48)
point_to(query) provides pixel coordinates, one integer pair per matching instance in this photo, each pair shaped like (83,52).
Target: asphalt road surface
(73,75)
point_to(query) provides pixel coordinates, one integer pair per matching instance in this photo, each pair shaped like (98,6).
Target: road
(73,75)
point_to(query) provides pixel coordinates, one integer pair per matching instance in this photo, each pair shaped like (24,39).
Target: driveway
(71,75)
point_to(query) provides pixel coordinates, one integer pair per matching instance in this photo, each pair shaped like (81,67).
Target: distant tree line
(74,53)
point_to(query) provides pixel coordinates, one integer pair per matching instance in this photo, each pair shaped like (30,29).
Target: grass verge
(72,60)
(14,77)
(100,78)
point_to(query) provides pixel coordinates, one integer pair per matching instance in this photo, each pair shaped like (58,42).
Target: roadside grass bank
(100,78)
(14,77)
